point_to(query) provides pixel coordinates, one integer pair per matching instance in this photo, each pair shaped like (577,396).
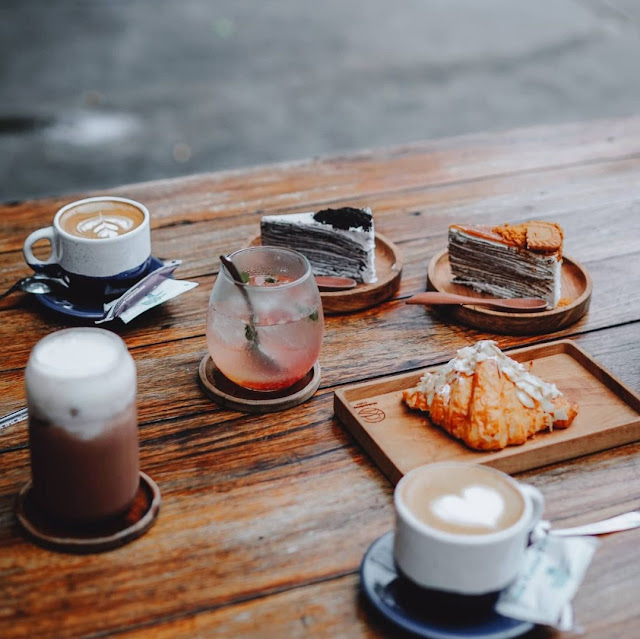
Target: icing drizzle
(530,389)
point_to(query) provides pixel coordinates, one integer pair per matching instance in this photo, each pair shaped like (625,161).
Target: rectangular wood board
(399,439)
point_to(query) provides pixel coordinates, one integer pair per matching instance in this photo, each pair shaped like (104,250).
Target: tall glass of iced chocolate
(83,436)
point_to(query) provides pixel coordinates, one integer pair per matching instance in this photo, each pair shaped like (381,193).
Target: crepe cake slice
(338,242)
(519,260)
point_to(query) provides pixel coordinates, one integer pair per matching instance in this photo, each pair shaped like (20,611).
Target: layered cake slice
(519,260)
(339,242)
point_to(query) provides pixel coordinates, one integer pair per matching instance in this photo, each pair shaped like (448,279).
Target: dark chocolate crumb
(345,218)
(74,412)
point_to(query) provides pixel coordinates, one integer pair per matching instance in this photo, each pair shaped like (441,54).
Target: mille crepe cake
(489,400)
(338,242)
(519,260)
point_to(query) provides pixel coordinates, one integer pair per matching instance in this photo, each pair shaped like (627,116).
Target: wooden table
(265,519)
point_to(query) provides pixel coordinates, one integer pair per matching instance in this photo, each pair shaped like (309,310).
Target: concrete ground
(96,93)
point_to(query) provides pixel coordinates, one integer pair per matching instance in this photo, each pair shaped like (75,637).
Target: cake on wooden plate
(489,400)
(338,242)
(519,260)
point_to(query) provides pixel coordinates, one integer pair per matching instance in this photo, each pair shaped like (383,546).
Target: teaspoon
(36,284)
(517,304)
(331,283)
(265,359)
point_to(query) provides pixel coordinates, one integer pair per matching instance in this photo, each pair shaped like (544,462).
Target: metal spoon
(627,521)
(517,305)
(36,284)
(251,333)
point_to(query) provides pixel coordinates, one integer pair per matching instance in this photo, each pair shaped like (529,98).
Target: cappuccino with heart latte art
(468,500)
(462,528)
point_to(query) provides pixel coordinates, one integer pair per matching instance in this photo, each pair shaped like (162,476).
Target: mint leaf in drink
(251,333)
(314,316)
(245,276)
(270,280)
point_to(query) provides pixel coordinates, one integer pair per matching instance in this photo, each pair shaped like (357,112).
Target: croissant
(488,400)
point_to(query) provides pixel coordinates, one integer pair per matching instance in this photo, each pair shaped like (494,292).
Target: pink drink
(83,436)
(286,328)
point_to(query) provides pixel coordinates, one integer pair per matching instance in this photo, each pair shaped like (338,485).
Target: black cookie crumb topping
(345,218)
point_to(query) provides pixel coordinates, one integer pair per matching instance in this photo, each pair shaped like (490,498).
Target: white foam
(77,377)
(476,505)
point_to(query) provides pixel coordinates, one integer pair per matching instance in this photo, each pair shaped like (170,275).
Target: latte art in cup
(462,528)
(463,501)
(99,220)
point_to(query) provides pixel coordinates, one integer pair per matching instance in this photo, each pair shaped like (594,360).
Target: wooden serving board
(399,439)
(576,289)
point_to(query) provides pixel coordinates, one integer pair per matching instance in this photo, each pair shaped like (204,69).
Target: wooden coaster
(227,393)
(90,538)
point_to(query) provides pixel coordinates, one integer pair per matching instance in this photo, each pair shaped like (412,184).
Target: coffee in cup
(469,501)
(101,245)
(101,219)
(463,528)
(83,436)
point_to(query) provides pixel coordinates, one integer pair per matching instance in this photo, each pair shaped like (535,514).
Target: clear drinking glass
(266,333)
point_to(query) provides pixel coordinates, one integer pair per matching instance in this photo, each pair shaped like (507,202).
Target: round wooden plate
(388,270)
(227,393)
(90,538)
(576,287)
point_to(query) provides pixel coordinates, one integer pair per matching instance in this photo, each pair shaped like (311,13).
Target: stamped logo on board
(370,412)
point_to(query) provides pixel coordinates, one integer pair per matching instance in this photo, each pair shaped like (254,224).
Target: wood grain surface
(265,518)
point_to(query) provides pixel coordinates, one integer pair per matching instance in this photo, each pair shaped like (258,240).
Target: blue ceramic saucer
(83,310)
(386,590)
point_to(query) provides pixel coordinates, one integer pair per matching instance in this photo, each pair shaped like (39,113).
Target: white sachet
(552,571)
(166,290)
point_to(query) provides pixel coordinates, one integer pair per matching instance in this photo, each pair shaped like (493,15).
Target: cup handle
(537,500)
(48,233)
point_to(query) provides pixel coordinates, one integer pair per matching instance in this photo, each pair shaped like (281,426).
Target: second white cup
(463,528)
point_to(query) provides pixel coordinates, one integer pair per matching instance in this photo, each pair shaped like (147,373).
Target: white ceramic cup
(121,256)
(455,562)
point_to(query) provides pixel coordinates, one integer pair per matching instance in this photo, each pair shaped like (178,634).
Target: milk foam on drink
(78,378)
(83,436)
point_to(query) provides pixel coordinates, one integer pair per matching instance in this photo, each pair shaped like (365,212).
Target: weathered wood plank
(421,212)
(337,608)
(355,177)
(270,536)
(607,250)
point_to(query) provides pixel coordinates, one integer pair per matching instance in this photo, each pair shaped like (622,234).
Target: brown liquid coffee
(463,500)
(85,479)
(101,220)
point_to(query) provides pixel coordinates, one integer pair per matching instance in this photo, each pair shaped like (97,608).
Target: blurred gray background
(96,93)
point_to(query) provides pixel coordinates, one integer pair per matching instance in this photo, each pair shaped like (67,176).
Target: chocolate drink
(81,390)
(85,479)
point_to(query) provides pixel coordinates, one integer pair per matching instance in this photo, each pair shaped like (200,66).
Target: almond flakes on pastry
(489,400)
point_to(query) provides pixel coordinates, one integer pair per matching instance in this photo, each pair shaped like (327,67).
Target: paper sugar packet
(150,291)
(553,569)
